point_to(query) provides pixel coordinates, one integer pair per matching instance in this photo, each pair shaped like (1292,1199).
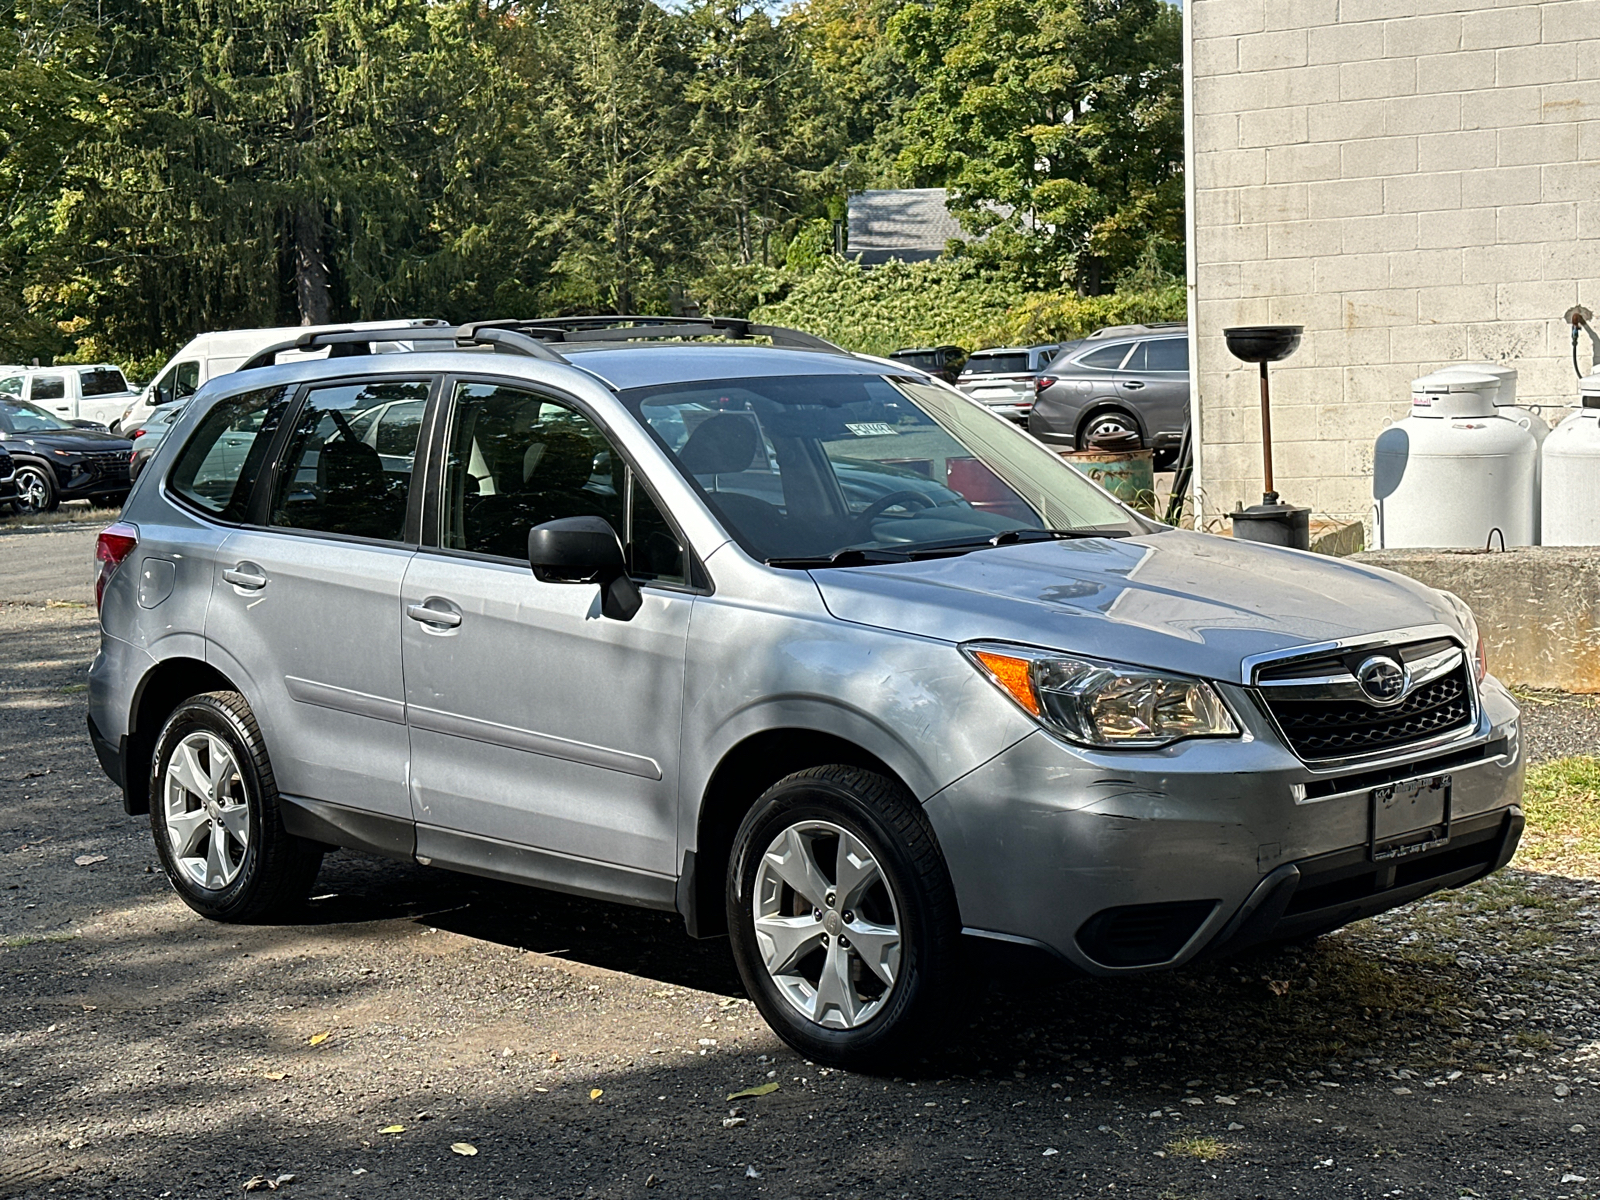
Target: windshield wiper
(842,558)
(1011,537)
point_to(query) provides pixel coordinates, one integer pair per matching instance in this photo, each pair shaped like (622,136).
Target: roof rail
(534,338)
(640,328)
(343,343)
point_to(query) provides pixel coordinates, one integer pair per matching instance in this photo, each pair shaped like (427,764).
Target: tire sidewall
(192,716)
(793,802)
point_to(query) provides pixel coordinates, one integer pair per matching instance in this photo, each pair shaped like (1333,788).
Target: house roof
(911,224)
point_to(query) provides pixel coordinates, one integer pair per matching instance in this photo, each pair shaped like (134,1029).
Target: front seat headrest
(725,444)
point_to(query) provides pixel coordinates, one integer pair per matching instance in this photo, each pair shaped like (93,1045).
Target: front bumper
(1120,863)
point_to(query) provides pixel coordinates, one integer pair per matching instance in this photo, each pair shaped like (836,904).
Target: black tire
(277,869)
(891,825)
(36,489)
(1110,419)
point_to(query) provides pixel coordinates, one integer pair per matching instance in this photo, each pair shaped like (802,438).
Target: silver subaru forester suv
(806,646)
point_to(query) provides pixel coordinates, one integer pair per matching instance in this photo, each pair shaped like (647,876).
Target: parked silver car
(815,653)
(1004,378)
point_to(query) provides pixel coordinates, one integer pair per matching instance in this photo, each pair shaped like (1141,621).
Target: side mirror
(585,550)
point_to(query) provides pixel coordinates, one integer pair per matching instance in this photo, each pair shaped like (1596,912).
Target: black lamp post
(1270,521)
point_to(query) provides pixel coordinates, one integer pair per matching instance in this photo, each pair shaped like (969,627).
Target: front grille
(107,464)
(1318,729)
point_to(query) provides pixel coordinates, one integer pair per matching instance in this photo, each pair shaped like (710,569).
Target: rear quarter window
(1106,358)
(218,465)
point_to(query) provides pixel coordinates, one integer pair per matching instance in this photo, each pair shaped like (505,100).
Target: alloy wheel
(826,924)
(207,811)
(33,490)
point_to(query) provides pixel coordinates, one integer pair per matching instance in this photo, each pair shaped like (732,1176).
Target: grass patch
(1562,804)
(1206,1149)
(29,939)
(72,689)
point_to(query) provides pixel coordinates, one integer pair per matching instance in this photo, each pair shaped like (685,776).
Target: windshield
(812,466)
(18,416)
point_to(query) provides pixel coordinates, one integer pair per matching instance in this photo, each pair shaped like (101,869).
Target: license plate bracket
(1409,817)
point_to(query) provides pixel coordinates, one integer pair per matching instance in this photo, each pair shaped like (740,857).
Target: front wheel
(843,918)
(214,813)
(36,490)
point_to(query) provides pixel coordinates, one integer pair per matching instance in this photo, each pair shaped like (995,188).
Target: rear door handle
(245,575)
(1133,385)
(433,616)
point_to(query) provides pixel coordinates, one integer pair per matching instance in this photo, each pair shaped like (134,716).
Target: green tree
(1058,125)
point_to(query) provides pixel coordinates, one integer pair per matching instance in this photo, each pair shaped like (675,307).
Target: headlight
(1101,704)
(1469,626)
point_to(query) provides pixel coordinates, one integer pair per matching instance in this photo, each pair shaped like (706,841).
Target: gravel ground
(588,1050)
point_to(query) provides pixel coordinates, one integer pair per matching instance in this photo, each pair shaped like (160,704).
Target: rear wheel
(36,490)
(1111,420)
(842,917)
(214,812)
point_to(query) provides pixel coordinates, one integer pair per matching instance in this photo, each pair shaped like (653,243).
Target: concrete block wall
(1417,184)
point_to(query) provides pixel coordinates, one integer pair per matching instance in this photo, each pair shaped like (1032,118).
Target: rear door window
(217,467)
(333,480)
(1106,358)
(49,387)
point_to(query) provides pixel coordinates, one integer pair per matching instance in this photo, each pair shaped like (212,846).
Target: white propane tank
(1571,481)
(1453,472)
(1505,405)
(1505,400)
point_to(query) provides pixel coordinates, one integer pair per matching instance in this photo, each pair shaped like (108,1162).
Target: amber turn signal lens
(1013,674)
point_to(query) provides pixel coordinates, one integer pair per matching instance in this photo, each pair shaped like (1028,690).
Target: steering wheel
(894,500)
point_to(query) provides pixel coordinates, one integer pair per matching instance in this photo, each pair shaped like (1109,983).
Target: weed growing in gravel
(1563,808)
(1206,1149)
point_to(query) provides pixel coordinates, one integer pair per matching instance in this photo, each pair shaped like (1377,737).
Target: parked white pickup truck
(96,392)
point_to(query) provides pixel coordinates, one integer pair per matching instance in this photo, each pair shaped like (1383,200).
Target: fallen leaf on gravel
(317,1039)
(274,1075)
(1278,987)
(652,1181)
(539,1089)
(89,860)
(554,1057)
(750,1172)
(595,1093)
(1049,1152)
(761,1089)
(1569,1177)
(257,1183)
(393,1129)
(464,1148)
(732,1122)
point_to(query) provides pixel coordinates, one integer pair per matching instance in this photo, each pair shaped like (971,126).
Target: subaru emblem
(1383,680)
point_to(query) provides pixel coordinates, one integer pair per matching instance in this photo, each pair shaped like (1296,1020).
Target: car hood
(1181,601)
(85,441)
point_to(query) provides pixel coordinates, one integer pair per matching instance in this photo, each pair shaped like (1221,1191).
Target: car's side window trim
(437,431)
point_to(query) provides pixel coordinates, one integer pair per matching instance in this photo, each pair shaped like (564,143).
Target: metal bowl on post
(1271,521)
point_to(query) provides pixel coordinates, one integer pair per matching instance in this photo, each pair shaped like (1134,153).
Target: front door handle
(433,616)
(1133,385)
(245,575)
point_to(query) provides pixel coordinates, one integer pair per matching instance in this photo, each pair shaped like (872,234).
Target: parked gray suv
(815,652)
(1130,378)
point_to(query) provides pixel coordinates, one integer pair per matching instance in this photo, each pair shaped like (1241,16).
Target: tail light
(137,433)
(1043,382)
(115,543)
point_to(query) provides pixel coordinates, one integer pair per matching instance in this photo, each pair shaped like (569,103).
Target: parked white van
(92,392)
(211,354)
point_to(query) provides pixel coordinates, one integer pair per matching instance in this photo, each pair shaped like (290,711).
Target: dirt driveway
(580,1049)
